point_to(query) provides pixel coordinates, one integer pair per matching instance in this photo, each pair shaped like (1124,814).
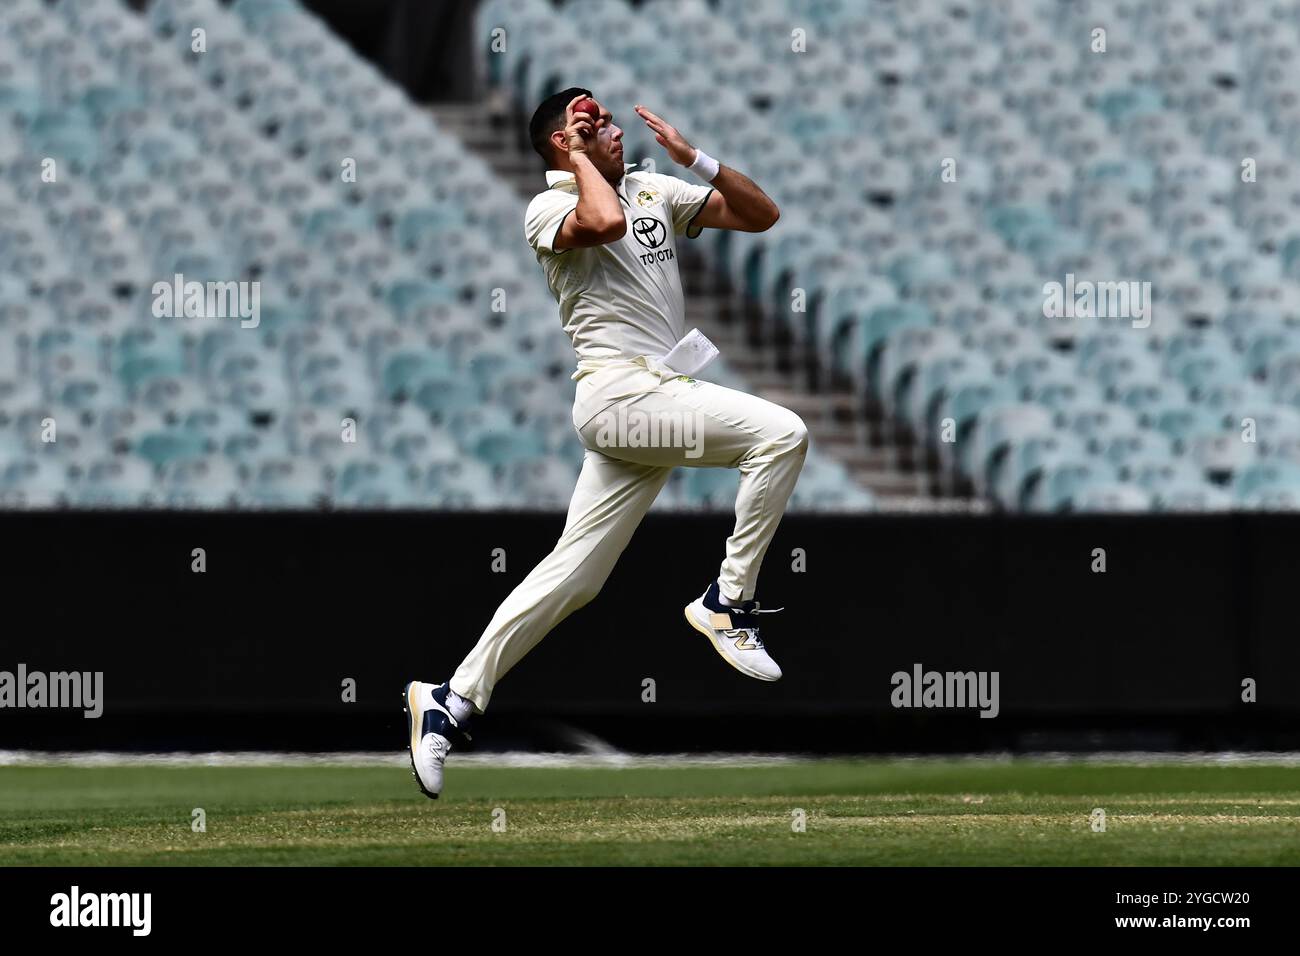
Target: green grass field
(858,812)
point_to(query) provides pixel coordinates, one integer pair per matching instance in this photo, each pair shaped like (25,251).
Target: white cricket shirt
(622,299)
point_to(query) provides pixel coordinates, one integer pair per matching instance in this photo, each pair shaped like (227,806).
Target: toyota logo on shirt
(650,232)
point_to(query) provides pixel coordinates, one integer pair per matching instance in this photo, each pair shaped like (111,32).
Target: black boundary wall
(253,652)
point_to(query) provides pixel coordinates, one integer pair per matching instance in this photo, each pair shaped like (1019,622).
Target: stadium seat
(926,295)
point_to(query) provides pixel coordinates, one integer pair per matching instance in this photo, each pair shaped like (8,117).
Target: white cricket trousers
(639,420)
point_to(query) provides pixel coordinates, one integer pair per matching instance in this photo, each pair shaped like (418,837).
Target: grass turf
(859,812)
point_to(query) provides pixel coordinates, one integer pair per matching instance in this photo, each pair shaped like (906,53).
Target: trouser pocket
(610,384)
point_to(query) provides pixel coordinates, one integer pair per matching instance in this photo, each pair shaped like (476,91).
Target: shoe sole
(414,719)
(713,639)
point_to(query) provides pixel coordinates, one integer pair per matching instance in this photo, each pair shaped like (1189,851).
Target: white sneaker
(432,731)
(734,633)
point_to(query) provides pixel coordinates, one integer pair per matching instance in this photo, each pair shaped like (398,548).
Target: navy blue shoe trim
(436,722)
(741,616)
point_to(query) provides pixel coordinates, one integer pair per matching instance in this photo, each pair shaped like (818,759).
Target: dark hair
(549,117)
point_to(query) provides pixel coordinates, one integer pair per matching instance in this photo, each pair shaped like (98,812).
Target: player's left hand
(679,151)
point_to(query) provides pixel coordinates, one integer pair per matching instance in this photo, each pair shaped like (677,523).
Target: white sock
(727,601)
(460,708)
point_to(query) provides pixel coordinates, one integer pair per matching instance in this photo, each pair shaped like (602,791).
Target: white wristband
(705,166)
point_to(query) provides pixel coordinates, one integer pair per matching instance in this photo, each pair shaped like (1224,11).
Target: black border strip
(691,221)
(554,251)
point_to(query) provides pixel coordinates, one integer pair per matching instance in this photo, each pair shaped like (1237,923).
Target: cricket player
(606,236)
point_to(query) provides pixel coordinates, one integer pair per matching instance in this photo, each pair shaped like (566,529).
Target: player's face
(606,152)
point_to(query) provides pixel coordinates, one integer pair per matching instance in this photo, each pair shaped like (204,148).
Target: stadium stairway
(901,474)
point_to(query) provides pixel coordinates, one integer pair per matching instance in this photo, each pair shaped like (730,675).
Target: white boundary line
(523,759)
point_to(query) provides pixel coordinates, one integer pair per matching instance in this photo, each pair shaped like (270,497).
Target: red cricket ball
(588,106)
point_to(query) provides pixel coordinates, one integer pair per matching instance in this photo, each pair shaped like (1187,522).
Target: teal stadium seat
(926,295)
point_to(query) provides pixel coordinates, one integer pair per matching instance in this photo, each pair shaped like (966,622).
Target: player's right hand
(577,126)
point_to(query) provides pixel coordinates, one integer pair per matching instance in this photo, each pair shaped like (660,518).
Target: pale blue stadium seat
(32,482)
(402,370)
(546,482)
(168,445)
(825,485)
(1268,484)
(445,394)
(936,377)
(1062,486)
(999,428)
(710,487)
(504,447)
(1026,370)
(869,333)
(284,482)
(1065,395)
(1221,453)
(461,484)
(118,482)
(210,481)
(375,484)
(1026,459)
(1113,497)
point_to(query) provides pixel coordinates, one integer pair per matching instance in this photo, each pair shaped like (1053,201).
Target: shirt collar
(554,176)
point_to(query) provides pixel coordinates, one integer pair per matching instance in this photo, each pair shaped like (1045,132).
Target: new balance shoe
(734,633)
(432,731)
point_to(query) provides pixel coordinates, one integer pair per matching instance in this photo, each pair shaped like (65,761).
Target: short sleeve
(687,200)
(545,215)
